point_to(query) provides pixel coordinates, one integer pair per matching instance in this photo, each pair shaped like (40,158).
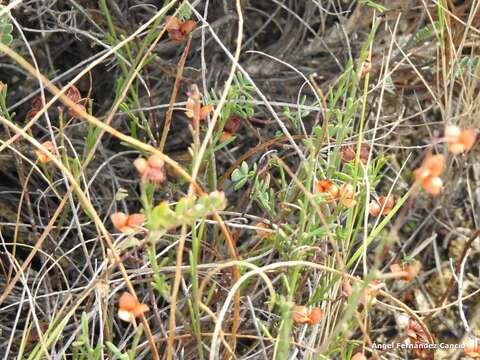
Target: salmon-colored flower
(367,66)
(428,175)
(233,123)
(472,347)
(303,315)
(384,202)
(225,136)
(370,293)
(130,308)
(346,288)
(42,156)
(407,273)
(347,194)
(358,356)
(74,94)
(262,230)
(203,112)
(348,153)
(151,169)
(230,128)
(36,107)
(459,140)
(178,30)
(127,224)
(418,337)
(327,186)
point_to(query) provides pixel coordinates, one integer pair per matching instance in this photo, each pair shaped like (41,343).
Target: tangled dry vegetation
(270,179)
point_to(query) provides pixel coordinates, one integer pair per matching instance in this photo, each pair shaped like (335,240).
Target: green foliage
(380,8)
(6,28)
(239,99)
(186,211)
(184,12)
(83,349)
(3,102)
(159,282)
(467,64)
(131,354)
(241,175)
(296,117)
(284,333)
(117,352)
(425,32)
(265,195)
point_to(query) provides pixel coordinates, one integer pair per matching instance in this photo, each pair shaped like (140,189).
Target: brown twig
(178,79)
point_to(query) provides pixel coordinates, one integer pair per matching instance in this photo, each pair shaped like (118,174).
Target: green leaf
(244,167)
(380,8)
(186,211)
(236,175)
(5,28)
(116,351)
(240,183)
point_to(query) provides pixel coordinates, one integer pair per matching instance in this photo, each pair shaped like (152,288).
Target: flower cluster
(428,174)
(42,156)
(127,224)
(202,112)
(177,29)
(382,206)
(151,169)
(368,295)
(130,308)
(407,272)
(348,153)
(459,140)
(303,315)
(230,127)
(472,347)
(74,94)
(345,193)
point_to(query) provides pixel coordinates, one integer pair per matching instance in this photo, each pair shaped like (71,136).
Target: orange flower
(127,224)
(225,136)
(232,124)
(327,186)
(230,127)
(419,339)
(36,107)
(151,169)
(358,356)
(42,156)
(367,66)
(178,30)
(407,273)
(346,194)
(130,308)
(349,153)
(459,140)
(74,94)
(385,202)
(428,175)
(346,288)
(301,315)
(204,110)
(262,230)
(370,293)
(472,347)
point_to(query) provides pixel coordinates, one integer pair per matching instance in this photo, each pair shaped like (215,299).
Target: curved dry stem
(286,264)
